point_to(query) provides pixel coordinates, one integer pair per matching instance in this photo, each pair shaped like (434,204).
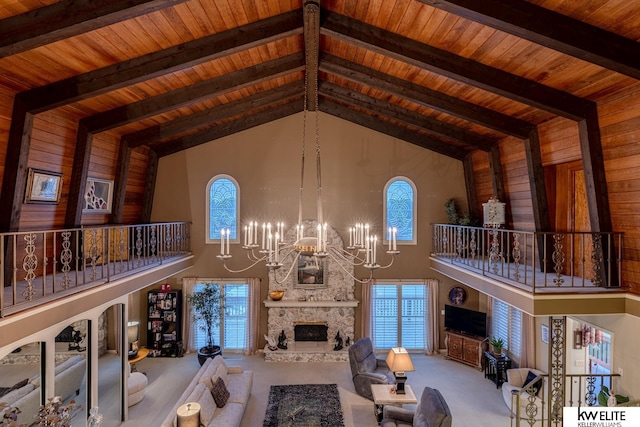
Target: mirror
(20,380)
(109,390)
(70,378)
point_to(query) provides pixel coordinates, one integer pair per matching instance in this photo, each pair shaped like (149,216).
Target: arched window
(223,206)
(400,209)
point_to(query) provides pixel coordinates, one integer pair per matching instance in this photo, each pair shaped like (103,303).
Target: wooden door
(580,222)
(567,190)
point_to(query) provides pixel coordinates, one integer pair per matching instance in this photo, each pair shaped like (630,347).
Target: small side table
(495,367)
(382,395)
(142,353)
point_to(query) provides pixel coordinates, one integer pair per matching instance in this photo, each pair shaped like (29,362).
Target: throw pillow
(220,393)
(16,386)
(535,387)
(207,407)
(202,395)
(221,373)
(206,381)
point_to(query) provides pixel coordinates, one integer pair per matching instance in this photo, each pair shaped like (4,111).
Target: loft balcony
(41,267)
(541,273)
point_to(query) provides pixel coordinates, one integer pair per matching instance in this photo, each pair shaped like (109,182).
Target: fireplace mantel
(294,303)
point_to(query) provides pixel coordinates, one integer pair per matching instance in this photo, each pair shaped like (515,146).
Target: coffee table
(384,394)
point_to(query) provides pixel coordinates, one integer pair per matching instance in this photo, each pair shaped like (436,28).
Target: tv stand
(464,348)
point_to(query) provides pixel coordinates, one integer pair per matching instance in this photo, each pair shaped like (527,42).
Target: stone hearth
(330,303)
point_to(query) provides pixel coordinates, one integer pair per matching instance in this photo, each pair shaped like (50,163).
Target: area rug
(304,405)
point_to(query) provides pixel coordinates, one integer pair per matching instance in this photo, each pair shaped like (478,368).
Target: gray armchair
(366,369)
(431,411)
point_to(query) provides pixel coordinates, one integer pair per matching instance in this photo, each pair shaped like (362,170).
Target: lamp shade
(133,329)
(399,360)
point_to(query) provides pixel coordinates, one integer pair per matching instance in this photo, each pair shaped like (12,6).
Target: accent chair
(431,411)
(366,368)
(519,379)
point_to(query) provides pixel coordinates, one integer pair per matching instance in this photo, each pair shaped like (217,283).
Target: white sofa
(238,383)
(68,380)
(516,378)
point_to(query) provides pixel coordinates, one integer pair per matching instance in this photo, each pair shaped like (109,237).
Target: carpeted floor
(304,405)
(473,400)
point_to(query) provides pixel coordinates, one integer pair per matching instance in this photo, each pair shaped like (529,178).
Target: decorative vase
(276,295)
(205,353)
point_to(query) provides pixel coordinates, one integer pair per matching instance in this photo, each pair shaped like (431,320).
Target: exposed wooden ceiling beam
(365,120)
(230,128)
(411,118)
(551,29)
(51,23)
(311,50)
(184,124)
(426,97)
(187,95)
(453,66)
(162,62)
(470,186)
(114,77)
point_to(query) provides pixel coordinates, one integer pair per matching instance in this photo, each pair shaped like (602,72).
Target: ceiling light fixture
(271,245)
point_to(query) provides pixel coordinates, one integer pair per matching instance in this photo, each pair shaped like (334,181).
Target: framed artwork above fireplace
(311,272)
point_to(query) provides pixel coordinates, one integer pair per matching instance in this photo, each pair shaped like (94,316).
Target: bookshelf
(164,328)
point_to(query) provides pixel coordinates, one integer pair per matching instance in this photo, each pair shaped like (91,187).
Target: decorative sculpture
(347,342)
(338,345)
(282,341)
(77,338)
(272,344)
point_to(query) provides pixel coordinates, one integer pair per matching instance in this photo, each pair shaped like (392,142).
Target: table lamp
(399,362)
(133,329)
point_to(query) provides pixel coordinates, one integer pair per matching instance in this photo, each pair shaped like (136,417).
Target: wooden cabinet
(164,330)
(464,349)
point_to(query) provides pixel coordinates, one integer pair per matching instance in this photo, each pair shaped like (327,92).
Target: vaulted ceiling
(451,76)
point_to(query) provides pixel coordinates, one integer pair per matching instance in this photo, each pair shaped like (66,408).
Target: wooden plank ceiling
(451,76)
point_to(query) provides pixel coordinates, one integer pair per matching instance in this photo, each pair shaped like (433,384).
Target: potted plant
(207,306)
(454,217)
(608,397)
(497,343)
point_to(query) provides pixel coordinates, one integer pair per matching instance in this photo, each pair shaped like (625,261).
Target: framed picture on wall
(43,187)
(98,195)
(457,295)
(310,272)
(544,332)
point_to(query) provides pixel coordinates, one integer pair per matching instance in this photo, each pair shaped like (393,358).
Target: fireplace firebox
(308,331)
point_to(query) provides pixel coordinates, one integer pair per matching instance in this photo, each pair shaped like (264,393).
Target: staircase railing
(534,259)
(39,266)
(529,409)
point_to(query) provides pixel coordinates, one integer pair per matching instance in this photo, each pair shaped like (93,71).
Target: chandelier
(270,244)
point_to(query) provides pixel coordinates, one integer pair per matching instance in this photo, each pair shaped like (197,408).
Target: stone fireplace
(324,310)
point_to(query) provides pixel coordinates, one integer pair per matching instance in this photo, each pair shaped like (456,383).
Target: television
(465,321)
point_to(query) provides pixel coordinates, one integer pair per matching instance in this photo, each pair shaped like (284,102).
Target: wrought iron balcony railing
(533,260)
(39,266)
(545,408)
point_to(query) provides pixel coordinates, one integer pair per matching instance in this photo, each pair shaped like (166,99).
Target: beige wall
(265,161)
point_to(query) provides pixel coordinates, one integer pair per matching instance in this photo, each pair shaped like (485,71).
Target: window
(507,324)
(223,205)
(400,209)
(234,325)
(398,315)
